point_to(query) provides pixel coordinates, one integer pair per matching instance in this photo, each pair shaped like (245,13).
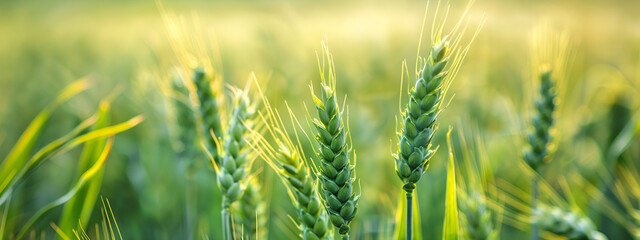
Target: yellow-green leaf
(86,176)
(79,208)
(451,206)
(401,217)
(23,147)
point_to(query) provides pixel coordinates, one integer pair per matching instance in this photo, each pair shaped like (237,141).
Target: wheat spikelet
(336,173)
(542,122)
(566,223)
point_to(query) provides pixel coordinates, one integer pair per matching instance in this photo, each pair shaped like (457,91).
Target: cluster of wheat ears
(321,184)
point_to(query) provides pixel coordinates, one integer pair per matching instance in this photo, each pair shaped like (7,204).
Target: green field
(160,186)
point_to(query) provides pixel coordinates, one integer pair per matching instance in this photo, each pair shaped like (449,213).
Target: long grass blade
(79,208)
(451,206)
(401,217)
(84,178)
(59,147)
(19,154)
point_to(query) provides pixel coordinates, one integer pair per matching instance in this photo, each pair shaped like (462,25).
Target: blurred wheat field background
(123,47)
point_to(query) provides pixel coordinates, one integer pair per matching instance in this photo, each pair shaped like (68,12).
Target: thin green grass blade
(624,139)
(23,147)
(451,205)
(401,217)
(84,178)
(65,144)
(79,208)
(17,173)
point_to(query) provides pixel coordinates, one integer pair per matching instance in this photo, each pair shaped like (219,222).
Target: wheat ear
(415,150)
(336,172)
(233,165)
(540,137)
(565,223)
(542,122)
(288,160)
(251,210)
(209,110)
(477,216)
(184,118)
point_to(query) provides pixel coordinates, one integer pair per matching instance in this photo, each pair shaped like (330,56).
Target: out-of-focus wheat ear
(252,212)
(567,224)
(542,122)
(209,109)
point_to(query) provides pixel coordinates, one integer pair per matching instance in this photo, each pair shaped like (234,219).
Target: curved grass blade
(84,178)
(23,147)
(451,205)
(79,208)
(623,140)
(65,144)
(17,173)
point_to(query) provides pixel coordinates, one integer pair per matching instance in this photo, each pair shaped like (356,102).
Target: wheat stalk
(336,172)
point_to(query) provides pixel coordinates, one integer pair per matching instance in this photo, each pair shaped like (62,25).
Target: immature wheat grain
(336,171)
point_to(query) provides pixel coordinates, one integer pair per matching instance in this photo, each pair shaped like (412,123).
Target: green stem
(534,200)
(345,237)
(188,204)
(409,215)
(227,231)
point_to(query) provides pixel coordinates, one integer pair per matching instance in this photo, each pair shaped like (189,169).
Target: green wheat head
(477,216)
(542,123)
(209,109)
(415,150)
(237,152)
(566,224)
(288,160)
(184,117)
(313,221)
(336,173)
